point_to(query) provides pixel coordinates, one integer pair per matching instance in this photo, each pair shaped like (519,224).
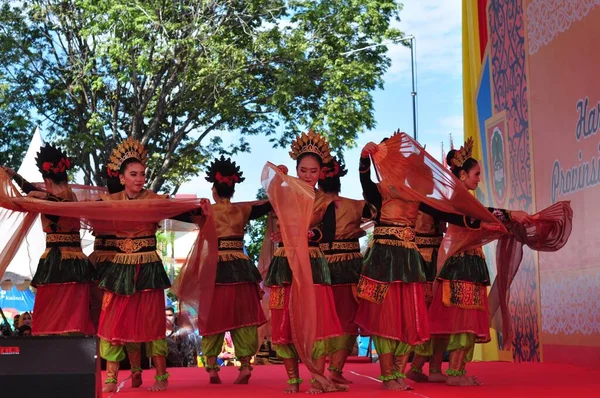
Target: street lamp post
(413,71)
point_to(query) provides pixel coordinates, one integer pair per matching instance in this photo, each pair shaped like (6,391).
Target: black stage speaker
(48,367)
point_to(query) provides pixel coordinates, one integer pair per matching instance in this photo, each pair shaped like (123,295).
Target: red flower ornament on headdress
(328,172)
(228,180)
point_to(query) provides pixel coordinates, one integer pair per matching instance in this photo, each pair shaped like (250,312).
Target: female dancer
(393,309)
(134,279)
(236,303)
(429,234)
(104,251)
(64,275)
(345,262)
(459,310)
(310,151)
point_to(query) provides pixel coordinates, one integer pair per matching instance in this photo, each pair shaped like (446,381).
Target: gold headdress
(464,153)
(311,143)
(128,149)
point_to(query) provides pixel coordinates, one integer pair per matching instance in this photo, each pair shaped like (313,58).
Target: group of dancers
(395,294)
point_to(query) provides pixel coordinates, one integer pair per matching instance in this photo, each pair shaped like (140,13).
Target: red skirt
(96,295)
(402,316)
(133,319)
(446,320)
(62,308)
(328,324)
(233,307)
(346,307)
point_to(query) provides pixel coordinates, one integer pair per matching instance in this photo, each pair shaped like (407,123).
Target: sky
(436,25)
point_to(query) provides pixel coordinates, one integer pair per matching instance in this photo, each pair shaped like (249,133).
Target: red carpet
(500,379)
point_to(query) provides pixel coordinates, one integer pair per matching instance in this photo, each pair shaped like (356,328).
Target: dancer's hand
(204,205)
(369,150)
(11,173)
(310,234)
(283,169)
(276,237)
(521,217)
(38,195)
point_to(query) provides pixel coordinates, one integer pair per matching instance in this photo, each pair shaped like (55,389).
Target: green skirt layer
(63,266)
(390,263)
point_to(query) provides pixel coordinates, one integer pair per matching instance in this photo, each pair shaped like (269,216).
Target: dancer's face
(472,177)
(134,178)
(26,319)
(309,170)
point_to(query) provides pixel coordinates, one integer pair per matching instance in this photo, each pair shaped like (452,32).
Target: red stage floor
(500,379)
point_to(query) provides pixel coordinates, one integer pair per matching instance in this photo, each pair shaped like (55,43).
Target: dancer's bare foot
(474,379)
(213,377)
(109,387)
(318,388)
(462,381)
(136,379)
(292,388)
(437,377)
(337,377)
(159,385)
(243,376)
(396,385)
(342,387)
(419,377)
(403,385)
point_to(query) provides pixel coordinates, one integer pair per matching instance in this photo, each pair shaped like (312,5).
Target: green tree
(255,231)
(174,73)
(15,125)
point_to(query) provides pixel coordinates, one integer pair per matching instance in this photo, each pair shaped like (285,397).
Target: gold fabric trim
(478,252)
(232,255)
(136,258)
(393,242)
(314,252)
(66,253)
(465,295)
(110,242)
(372,290)
(106,299)
(336,258)
(131,245)
(98,256)
(62,238)
(345,246)
(349,246)
(276,297)
(428,240)
(406,234)
(426,253)
(231,244)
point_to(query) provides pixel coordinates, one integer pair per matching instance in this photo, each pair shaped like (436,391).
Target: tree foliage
(15,125)
(177,74)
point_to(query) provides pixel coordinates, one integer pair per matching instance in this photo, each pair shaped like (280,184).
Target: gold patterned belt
(132,245)
(403,233)
(98,243)
(63,240)
(341,246)
(230,244)
(428,241)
